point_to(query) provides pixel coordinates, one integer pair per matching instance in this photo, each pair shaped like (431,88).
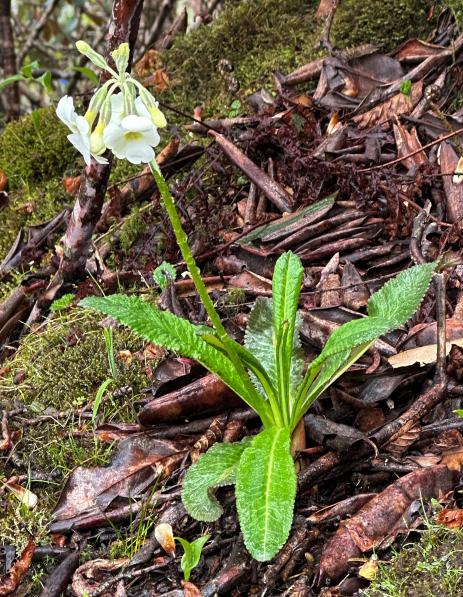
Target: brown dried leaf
(424,355)
(165,537)
(408,142)
(10,581)
(3,180)
(451,518)
(381,517)
(190,590)
(448,159)
(90,575)
(395,106)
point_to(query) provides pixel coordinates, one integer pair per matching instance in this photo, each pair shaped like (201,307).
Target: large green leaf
(388,309)
(286,287)
(265,493)
(215,468)
(400,297)
(258,338)
(171,332)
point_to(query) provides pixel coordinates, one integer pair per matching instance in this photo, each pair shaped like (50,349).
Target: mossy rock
(259,37)
(384,22)
(57,370)
(35,148)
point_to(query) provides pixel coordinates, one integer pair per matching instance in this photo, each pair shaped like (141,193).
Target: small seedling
(192,554)
(406,88)
(63,303)
(163,272)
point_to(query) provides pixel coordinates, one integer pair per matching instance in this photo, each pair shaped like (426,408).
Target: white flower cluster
(125,122)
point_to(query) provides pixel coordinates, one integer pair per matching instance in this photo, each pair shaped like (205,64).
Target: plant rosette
(268,372)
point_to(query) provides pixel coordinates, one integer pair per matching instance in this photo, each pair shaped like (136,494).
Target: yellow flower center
(133,136)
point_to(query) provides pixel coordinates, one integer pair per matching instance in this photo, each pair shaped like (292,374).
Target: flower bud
(121,57)
(105,111)
(96,58)
(157,116)
(95,104)
(128,93)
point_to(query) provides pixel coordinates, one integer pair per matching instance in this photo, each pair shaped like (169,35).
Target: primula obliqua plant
(268,371)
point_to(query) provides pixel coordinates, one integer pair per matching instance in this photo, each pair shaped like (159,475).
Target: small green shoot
(163,272)
(99,397)
(406,88)
(63,303)
(26,74)
(192,554)
(109,342)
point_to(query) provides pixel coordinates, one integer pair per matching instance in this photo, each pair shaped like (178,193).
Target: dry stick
(325,40)
(8,60)
(411,154)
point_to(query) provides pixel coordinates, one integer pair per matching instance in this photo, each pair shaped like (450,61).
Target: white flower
(133,139)
(79,127)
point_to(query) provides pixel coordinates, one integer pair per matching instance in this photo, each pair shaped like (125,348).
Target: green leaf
(282,223)
(164,270)
(286,287)
(45,81)
(192,555)
(98,398)
(216,468)
(400,297)
(265,493)
(171,332)
(258,338)
(10,80)
(388,309)
(87,72)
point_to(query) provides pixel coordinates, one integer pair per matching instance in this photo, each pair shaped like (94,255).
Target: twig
(8,60)
(325,40)
(412,153)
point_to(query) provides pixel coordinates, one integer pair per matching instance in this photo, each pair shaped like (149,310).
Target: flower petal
(112,134)
(136,124)
(82,145)
(66,112)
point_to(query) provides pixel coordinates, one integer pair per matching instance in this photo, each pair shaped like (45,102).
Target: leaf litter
(346,200)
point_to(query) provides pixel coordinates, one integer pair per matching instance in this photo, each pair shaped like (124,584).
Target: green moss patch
(432,567)
(35,148)
(56,371)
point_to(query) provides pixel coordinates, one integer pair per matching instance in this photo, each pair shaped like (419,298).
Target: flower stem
(253,398)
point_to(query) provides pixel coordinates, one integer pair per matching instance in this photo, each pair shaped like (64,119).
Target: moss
(384,22)
(279,35)
(132,228)
(62,365)
(433,567)
(35,148)
(29,206)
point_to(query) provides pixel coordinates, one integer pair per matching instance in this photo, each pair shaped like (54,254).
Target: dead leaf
(452,519)
(3,180)
(133,468)
(369,570)
(416,50)
(90,575)
(165,537)
(448,160)
(424,355)
(71,185)
(382,517)
(397,105)
(190,590)
(10,581)
(408,142)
